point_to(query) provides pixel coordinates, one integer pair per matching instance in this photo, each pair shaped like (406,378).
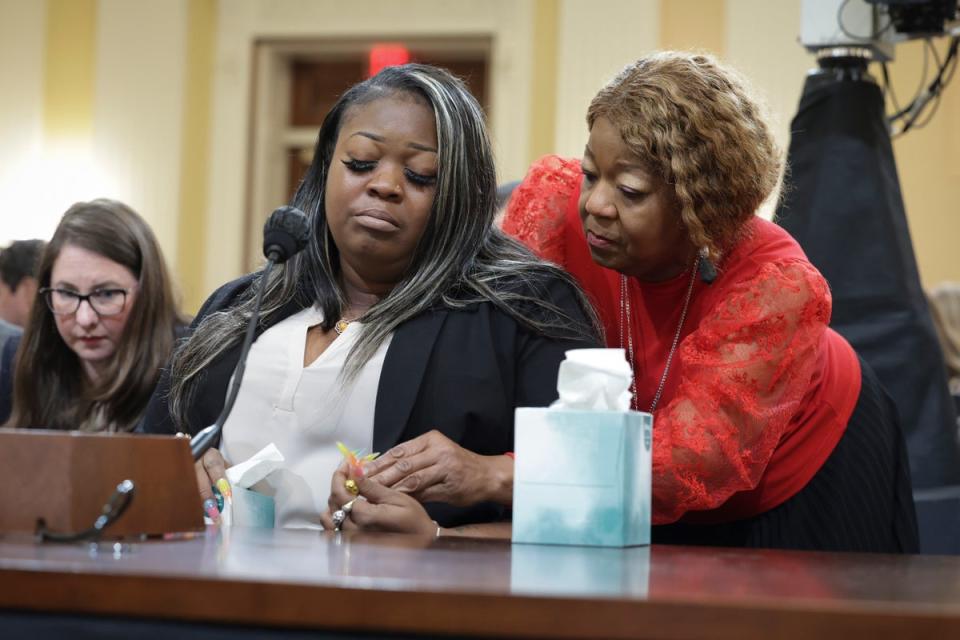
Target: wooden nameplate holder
(66,477)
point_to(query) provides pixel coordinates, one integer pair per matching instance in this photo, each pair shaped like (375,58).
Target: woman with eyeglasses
(102,326)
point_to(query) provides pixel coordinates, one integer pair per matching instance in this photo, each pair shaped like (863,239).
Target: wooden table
(398,584)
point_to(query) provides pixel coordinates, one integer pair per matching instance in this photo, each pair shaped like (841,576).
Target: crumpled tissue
(249,508)
(594,379)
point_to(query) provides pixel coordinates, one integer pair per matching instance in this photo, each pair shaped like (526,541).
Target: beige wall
(137,116)
(92,94)
(161,113)
(928,161)
(592,49)
(762,42)
(24,210)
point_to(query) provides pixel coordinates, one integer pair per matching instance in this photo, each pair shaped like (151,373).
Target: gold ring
(351,486)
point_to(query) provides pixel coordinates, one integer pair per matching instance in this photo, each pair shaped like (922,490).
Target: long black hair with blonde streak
(462,258)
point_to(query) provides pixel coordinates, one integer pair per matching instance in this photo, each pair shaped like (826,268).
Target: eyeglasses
(106,302)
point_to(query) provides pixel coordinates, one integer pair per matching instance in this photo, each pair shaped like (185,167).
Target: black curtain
(843,204)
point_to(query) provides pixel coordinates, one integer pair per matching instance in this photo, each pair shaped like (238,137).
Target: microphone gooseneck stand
(284,234)
(206,437)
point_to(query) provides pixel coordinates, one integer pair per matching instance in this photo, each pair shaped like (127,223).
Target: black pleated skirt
(860,500)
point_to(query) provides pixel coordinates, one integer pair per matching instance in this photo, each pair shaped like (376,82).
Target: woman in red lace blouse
(769,431)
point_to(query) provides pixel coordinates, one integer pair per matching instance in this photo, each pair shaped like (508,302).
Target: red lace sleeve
(743,373)
(536,212)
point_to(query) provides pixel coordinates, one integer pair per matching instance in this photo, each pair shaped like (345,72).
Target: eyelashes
(419,178)
(363,166)
(358,166)
(630,194)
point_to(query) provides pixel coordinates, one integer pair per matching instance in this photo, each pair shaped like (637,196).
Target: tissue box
(252,509)
(582,477)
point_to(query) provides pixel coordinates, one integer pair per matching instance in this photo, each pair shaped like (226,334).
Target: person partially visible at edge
(769,431)
(101,327)
(8,330)
(18,280)
(18,286)
(409,318)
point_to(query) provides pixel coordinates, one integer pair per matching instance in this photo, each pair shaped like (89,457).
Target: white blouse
(304,411)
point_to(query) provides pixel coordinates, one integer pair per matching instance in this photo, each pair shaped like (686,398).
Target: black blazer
(461,372)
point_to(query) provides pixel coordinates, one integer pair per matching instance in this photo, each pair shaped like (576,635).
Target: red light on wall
(387,55)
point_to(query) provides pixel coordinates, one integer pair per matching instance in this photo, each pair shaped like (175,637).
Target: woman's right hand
(211,468)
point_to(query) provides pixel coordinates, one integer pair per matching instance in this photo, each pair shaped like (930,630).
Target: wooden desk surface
(488,588)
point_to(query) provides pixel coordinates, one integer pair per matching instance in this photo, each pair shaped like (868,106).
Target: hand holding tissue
(582,473)
(247,507)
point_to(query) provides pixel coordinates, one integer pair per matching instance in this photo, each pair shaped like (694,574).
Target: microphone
(285,233)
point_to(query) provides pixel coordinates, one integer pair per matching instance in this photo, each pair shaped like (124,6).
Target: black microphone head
(285,233)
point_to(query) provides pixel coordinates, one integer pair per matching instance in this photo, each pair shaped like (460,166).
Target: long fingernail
(224,487)
(210,508)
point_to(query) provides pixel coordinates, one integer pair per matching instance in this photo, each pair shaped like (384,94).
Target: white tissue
(594,379)
(259,466)
(246,474)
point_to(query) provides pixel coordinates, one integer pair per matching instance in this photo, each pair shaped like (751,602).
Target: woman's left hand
(377,508)
(433,468)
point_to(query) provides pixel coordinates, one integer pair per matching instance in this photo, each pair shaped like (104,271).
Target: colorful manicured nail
(224,487)
(219,497)
(210,508)
(354,460)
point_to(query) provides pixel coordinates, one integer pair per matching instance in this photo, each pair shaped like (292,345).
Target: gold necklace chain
(625,315)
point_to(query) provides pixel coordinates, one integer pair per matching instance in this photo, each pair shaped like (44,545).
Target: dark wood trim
(462,587)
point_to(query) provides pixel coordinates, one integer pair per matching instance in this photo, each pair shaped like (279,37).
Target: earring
(708,271)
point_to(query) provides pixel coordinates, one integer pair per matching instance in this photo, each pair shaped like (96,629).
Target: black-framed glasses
(106,302)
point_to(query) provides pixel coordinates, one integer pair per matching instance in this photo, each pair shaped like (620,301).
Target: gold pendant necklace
(341,326)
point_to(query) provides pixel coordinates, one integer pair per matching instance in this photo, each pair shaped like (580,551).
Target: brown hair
(694,123)
(49,388)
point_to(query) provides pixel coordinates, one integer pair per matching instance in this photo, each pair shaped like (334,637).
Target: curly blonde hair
(694,124)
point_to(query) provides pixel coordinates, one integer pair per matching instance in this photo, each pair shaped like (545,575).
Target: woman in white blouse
(408,314)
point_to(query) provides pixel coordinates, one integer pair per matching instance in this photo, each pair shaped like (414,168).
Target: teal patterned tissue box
(582,477)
